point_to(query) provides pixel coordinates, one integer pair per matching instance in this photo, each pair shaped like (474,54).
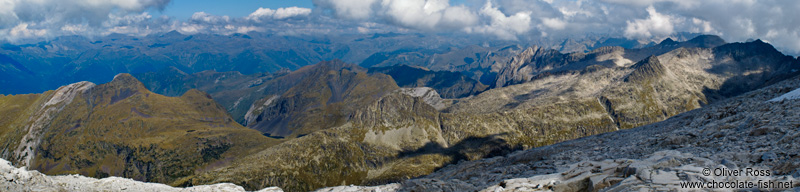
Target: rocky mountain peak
(648,68)
(707,41)
(668,41)
(336,65)
(194,93)
(748,49)
(122,86)
(126,80)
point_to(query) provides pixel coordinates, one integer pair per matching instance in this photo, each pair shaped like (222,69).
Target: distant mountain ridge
(33,68)
(37,67)
(536,60)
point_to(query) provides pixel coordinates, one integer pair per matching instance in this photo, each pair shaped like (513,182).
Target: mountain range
(47,65)
(309,126)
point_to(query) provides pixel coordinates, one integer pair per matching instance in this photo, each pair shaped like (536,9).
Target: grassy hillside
(122,129)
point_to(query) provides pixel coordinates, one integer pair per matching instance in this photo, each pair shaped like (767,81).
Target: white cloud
(36,19)
(656,25)
(349,9)
(648,20)
(58,12)
(204,17)
(644,3)
(280,13)
(554,23)
(504,27)
(427,14)
(702,26)
(23,31)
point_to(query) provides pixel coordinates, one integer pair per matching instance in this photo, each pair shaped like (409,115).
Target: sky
(183,9)
(774,21)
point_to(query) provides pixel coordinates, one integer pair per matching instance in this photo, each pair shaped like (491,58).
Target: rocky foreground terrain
(756,132)
(21,179)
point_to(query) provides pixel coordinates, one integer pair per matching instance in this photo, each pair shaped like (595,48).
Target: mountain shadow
(470,148)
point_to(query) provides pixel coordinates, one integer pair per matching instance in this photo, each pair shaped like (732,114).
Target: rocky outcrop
(529,62)
(448,84)
(648,69)
(21,179)
(42,117)
(429,95)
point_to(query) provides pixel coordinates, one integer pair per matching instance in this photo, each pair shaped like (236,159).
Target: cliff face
(448,84)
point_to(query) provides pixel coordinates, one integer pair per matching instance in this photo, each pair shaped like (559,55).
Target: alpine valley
(305,113)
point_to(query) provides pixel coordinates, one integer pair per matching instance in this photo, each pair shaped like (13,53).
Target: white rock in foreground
(788,96)
(667,170)
(352,188)
(20,179)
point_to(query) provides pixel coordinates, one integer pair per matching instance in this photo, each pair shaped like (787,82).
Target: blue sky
(183,9)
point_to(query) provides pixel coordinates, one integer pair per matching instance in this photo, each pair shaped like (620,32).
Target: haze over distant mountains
(34,68)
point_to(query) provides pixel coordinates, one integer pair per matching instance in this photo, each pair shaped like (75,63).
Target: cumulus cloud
(434,15)
(427,14)
(349,9)
(280,13)
(23,31)
(24,19)
(656,25)
(645,20)
(504,27)
(59,12)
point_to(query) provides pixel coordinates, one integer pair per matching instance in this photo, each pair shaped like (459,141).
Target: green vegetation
(122,129)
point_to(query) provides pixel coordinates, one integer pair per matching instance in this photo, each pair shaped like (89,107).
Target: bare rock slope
(755,132)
